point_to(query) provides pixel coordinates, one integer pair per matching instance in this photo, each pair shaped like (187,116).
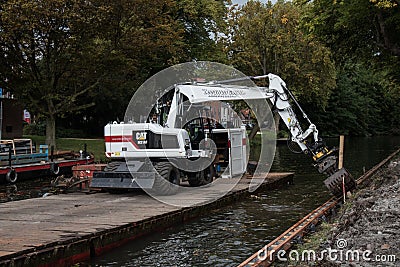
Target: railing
(22,151)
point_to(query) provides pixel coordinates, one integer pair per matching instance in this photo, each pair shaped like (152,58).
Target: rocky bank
(368,225)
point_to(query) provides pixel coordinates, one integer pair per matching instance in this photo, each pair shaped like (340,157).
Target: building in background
(11,117)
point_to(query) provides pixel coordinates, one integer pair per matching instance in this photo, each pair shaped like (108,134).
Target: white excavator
(190,138)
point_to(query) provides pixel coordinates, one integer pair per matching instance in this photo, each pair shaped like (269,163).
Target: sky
(241,2)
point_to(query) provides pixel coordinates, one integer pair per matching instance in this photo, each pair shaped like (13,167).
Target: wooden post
(341,147)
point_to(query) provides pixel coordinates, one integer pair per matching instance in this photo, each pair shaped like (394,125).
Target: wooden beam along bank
(61,230)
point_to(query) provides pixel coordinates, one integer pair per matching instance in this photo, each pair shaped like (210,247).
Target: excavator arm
(325,159)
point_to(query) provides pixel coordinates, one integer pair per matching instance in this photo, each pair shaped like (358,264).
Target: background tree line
(76,63)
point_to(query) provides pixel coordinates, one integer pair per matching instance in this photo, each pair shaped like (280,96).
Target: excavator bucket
(339,181)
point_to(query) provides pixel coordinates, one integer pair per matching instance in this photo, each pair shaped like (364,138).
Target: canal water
(228,236)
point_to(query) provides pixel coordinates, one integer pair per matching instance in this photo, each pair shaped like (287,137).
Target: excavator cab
(196,132)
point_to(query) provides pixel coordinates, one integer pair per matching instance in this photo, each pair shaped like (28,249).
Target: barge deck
(61,230)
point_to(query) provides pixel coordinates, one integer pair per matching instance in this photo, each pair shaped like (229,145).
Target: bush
(34,129)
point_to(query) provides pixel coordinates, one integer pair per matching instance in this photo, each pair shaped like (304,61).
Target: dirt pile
(367,230)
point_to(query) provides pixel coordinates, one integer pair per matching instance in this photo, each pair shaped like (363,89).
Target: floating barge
(62,230)
(19,161)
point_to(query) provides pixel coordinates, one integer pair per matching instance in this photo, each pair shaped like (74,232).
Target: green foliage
(62,132)
(358,106)
(364,38)
(357,28)
(82,61)
(203,21)
(34,129)
(282,134)
(266,38)
(79,62)
(351,109)
(46,56)
(137,39)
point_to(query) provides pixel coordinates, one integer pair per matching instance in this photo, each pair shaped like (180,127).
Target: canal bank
(65,229)
(367,228)
(281,250)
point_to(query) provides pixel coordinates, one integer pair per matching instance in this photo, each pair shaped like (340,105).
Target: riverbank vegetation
(75,64)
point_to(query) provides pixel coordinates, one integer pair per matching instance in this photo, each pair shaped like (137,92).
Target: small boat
(21,160)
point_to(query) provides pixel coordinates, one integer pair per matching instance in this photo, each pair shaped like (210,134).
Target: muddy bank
(366,231)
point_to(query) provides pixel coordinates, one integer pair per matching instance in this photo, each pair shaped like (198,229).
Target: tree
(142,37)
(82,60)
(203,21)
(266,38)
(356,28)
(360,31)
(364,35)
(355,106)
(47,56)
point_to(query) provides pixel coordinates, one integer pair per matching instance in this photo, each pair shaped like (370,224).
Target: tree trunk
(51,131)
(254,131)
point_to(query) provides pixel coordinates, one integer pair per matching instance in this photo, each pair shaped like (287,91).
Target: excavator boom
(325,159)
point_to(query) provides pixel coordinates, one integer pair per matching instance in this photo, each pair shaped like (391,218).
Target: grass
(94,146)
(312,243)
(314,240)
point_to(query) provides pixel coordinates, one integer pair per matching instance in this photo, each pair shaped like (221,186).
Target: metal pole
(9,157)
(1,112)
(1,115)
(340,165)
(52,153)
